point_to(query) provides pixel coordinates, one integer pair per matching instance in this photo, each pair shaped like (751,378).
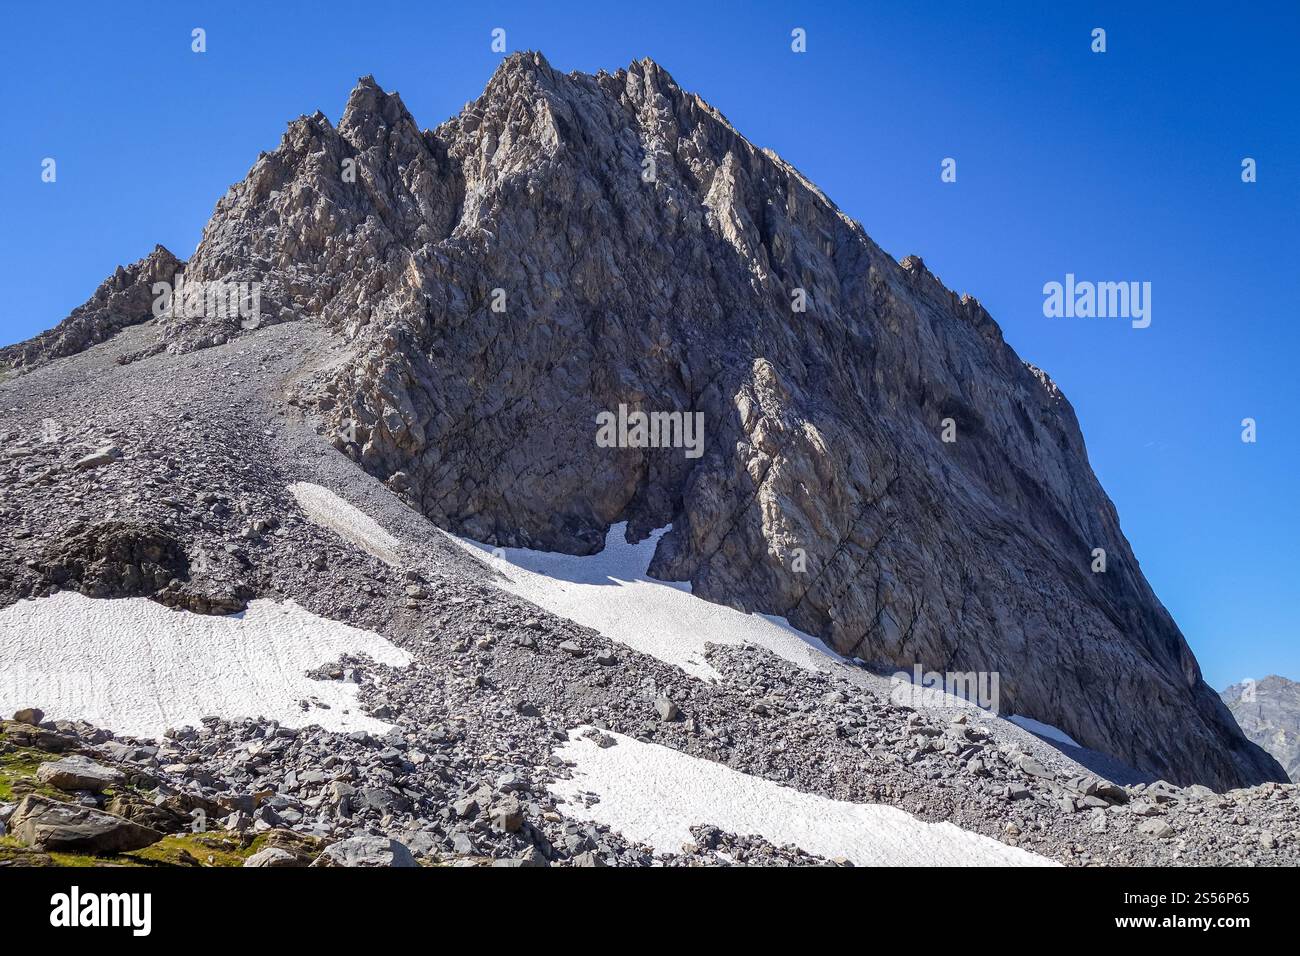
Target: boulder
(274,856)
(98,459)
(666,709)
(369,851)
(52,826)
(1156,829)
(76,772)
(508,815)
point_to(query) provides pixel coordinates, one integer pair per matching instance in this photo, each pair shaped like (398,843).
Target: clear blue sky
(1123,165)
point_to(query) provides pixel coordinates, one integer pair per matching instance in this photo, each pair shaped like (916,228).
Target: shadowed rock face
(824,493)
(1268,712)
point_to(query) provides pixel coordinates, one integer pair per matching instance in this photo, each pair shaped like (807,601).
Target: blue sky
(1116,166)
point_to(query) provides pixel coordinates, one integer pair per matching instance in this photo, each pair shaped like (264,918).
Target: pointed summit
(370,108)
(526,69)
(522,61)
(651,70)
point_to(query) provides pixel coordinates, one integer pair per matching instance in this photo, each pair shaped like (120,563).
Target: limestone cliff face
(572,243)
(1268,712)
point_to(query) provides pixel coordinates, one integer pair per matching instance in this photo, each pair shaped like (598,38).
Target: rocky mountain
(471,725)
(1268,712)
(877,465)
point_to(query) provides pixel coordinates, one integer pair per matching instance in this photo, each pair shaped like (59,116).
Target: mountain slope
(226,497)
(507,277)
(1268,712)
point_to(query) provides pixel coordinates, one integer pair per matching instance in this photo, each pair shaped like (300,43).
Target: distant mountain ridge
(1268,712)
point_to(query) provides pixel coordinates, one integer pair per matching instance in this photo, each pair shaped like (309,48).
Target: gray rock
(1034,769)
(125,298)
(1111,793)
(274,856)
(462,844)
(511,783)
(666,709)
(76,772)
(508,815)
(1156,829)
(366,851)
(98,459)
(52,826)
(530,858)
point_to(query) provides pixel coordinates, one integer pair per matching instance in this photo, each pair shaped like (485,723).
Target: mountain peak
(572,245)
(647,66)
(524,60)
(368,108)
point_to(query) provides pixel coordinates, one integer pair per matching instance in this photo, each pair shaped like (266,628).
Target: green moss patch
(18,774)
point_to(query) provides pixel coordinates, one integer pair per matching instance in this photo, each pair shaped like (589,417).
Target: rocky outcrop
(1268,712)
(114,559)
(125,298)
(877,464)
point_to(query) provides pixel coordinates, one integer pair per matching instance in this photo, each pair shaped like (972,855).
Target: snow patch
(653,794)
(326,509)
(137,668)
(611,592)
(1044,730)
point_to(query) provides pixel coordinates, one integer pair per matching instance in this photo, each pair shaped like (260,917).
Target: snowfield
(135,667)
(1044,730)
(653,794)
(326,509)
(610,592)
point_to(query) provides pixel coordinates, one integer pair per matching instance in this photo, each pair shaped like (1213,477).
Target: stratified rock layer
(572,243)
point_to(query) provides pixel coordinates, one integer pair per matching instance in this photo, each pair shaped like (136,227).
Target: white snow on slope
(610,592)
(653,794)
(1043,730)
(137,668)
(328,510)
